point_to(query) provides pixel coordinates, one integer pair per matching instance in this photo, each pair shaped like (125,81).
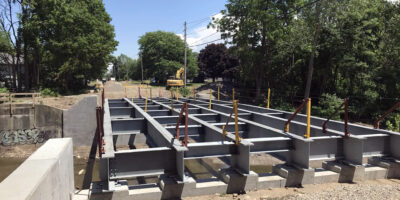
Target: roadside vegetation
(325,50)
(60,45)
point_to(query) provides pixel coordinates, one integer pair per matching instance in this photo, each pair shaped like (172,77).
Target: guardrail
(9,97)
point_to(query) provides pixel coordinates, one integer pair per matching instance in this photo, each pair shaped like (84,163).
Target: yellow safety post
(233,94)
(224,132)
(287,128)
(237,138)
(177,94)
(209,105)
(307,135)
(145,105)
(218,93)
(269,94)
(125,91)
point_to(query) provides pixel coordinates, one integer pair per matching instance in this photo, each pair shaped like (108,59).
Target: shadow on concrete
(87,180)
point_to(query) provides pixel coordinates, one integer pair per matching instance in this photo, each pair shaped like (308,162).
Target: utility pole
(141,64)
(185,56)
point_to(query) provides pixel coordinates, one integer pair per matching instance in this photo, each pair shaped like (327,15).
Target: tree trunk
(14,74)
(314,47)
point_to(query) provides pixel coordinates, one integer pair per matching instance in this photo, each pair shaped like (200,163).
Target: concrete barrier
(46,174)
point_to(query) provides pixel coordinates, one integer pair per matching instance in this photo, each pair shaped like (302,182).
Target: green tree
(212,59)
(254,27)
(72,40)
(127,67)
(163,54)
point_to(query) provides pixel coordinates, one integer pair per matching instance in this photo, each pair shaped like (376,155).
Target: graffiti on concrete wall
(27,136)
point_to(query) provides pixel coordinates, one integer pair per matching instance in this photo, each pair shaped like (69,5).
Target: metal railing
(386,113)
(185,109)
(305,101)
(346,117)
(100,131)
(224,132)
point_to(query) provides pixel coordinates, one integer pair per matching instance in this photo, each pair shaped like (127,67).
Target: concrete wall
(80,121)
(45,120)
(37,124)
(46,174)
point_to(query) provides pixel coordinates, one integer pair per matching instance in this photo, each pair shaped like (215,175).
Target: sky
(133,18)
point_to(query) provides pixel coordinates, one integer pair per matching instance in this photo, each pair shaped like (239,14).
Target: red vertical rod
(99,129)
(102,98)
(186,124)
(387,112)
(179,121)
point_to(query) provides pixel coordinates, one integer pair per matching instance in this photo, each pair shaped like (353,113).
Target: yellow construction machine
(176,81)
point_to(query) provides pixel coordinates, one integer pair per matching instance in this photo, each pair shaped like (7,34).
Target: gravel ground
(384,189)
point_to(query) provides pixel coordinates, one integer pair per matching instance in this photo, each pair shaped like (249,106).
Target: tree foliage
(57,43)
(215,61)
(73,40)
(357,53)
(163,54)
(128,68)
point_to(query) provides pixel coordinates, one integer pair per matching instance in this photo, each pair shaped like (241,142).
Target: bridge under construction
(163,134)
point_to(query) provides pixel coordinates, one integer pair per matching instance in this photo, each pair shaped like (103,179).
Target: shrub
(49,92)
(4,90)
(327,106)
(184,91)
(391,122)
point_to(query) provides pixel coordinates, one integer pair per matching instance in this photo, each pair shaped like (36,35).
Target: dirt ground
(18,151)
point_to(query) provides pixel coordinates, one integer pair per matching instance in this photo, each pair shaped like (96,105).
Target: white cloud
(201,34)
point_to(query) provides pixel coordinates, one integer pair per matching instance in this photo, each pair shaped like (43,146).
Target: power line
(204,38)
(196,31)
(205,43)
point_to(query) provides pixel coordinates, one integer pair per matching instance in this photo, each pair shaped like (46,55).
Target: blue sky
(133,18)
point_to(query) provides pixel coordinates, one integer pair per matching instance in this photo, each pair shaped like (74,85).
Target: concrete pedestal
(270,181)
(295,176)
(239,183)
(390,164)
(347,172)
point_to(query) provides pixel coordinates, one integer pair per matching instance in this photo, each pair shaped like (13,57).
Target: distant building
(6,69)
